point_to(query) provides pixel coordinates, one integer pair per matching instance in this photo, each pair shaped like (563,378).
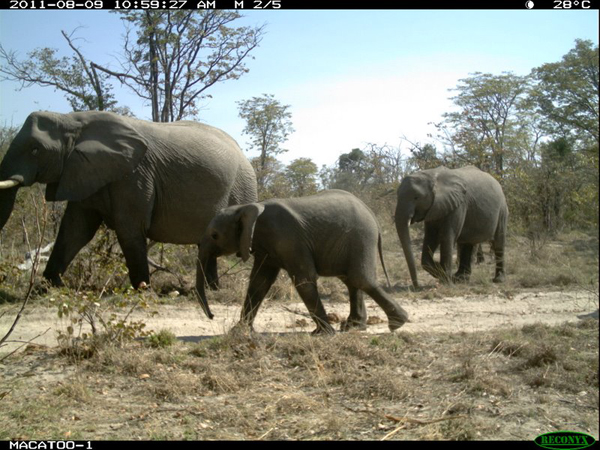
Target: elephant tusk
(8,184)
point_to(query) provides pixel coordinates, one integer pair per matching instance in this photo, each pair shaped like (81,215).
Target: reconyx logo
(564,440)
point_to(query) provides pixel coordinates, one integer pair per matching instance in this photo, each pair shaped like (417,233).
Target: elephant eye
(214,236)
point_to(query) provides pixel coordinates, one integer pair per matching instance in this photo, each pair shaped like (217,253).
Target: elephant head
(73,154)
(429,195)
(230,231)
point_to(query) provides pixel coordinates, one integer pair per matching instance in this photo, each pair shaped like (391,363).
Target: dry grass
(294,386)
(567,262)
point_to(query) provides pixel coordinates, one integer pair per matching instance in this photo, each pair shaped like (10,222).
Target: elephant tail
(380,248)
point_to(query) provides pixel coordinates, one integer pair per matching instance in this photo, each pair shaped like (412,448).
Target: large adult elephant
(463,206)
(162,181)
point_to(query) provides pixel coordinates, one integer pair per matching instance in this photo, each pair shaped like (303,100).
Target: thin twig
(391,433)
(406,420)
(260,438)
(25,343)
(34,268)
(293,311)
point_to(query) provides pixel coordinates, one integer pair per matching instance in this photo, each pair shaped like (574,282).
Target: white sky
(351,77)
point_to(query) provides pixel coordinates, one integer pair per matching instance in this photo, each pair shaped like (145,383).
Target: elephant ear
(248,215)
(449,193)
(106,150)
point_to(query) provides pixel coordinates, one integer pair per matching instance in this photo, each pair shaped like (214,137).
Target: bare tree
(178,55)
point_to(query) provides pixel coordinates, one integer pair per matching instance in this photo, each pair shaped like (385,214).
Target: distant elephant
(459,206)
(162,181)
(330,234)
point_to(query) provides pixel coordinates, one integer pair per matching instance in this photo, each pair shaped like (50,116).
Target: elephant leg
(305,282)
(262,278)
(307,289)
(465,256)
(431,242)
(77,227)
(447,242)
(396,315)
(357,320)
(498,246)
(135,250)
(480,257)
(449,231)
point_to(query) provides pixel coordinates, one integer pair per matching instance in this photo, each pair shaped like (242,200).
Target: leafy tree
(273,178)
(302,176)
(482,131)
(7,134)
(565,99)
(84,87)
(353,162)
(424,157)
(354,171)
(350,173)
(566,93)
(555,179)
(268,124)
(371,173)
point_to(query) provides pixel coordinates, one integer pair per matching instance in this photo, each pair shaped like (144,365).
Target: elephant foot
(241,329)
(323,326)
(53,280)
(396,322)
(461,277)
(499,278)
(353,324)
(322,330)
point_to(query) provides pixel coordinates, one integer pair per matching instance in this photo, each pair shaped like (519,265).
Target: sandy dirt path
(454,314)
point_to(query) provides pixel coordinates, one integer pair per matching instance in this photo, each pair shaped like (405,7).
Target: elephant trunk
(402,226)
(202,269)
(203,301)
(7,202)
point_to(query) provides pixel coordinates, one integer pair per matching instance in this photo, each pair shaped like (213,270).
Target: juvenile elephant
(162,181)
(459,206)
(331,234)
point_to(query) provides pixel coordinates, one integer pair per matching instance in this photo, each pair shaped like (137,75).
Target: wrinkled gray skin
(331,234)
(162,181)
(459,206)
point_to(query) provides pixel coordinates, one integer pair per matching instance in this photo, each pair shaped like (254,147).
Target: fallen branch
(422,422)
(294,311)
(405,420)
